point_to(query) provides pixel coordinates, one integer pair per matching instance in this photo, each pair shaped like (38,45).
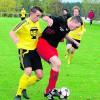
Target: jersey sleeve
(82,29)
(18,27)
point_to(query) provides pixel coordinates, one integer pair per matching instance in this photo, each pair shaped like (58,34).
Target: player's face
(35,16)
(64,12)
(76,12)
(73,24)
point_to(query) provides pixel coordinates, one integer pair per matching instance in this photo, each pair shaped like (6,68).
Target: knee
(58,64)
(71,50)
(28,71)
(39,74)
(55,63)
(69,46)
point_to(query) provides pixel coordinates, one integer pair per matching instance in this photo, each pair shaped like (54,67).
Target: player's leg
(55,67)
(68,47)
(71,48)
(37,67)
(34,78)
(23,82)
(49,54)
(35,62)
(91,21)
(71,54)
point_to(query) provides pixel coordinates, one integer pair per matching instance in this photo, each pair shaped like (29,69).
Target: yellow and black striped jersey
(28,33)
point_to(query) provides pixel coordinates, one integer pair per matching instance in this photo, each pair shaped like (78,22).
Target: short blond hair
(76,7)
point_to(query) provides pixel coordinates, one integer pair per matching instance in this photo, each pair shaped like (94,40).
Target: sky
(71,0)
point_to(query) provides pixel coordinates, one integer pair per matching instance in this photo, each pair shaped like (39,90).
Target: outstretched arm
(72,40)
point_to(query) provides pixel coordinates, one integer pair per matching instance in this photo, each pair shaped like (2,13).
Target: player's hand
(14,37)
(49,20)
(16,40)
(77,43)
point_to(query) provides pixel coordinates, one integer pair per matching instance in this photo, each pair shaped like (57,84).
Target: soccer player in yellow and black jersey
(25,35)
(75,34)
(23,14)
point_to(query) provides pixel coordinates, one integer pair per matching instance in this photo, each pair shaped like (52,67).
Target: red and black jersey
(56,32)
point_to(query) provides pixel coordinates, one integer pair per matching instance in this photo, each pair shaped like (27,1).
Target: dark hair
(66,9)
(78,19)
(34,9)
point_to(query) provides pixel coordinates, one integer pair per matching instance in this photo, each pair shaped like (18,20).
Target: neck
(32,19)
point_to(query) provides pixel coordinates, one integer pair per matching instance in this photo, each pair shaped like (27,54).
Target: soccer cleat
(55,92)
(17,97)
(24,93)
(49,96)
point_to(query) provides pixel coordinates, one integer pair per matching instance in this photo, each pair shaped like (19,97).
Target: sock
(70,58)
(23,82)
(66,54)
(52,80)
(32,80)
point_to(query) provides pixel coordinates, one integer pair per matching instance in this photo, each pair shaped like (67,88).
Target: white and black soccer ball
(63,93)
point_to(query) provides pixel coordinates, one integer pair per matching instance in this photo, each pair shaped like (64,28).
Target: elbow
(10,33)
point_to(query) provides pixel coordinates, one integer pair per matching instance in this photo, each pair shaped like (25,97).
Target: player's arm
(53,19)
(15,31)
(14,37)
(81,30)
(48,20)
(72,40)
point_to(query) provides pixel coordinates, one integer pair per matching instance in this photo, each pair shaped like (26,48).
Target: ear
(31,13)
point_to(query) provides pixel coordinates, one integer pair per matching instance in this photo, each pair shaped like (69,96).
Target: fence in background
(5,14)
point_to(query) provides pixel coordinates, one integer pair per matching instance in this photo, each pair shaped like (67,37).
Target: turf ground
(82,77)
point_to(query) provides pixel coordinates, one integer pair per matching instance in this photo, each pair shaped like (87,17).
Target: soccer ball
(63,93)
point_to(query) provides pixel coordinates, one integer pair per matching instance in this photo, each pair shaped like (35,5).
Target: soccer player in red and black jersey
(48,43)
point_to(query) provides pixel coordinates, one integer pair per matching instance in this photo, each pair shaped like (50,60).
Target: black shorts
(29,58)
(73,44)
(22,18)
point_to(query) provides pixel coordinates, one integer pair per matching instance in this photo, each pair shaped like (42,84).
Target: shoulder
(19,25)
(69,19)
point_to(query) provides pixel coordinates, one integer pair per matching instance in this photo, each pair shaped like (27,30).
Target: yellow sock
(23,82)
(70,58)
(66,54)
(32,80)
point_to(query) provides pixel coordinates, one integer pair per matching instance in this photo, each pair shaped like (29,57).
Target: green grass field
(82,77)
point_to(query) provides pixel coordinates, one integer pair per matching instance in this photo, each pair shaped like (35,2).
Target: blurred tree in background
(7,5)
(91,5)
(50,7)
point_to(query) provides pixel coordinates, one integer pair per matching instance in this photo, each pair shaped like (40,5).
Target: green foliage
(7,5)
(36,3)
(53,7)
(91,4)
